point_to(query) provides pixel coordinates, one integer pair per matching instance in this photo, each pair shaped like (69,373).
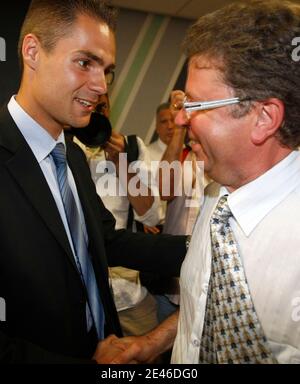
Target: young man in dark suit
(56,234)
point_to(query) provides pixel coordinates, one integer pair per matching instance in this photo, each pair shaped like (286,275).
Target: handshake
(127,350)
(138,349)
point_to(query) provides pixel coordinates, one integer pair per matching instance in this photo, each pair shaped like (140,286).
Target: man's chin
(198,151)
(82,123)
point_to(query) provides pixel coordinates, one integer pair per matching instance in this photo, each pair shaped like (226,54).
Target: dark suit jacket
(39,281)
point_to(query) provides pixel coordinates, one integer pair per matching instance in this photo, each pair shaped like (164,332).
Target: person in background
(182,188)
(137,309)
(165,129)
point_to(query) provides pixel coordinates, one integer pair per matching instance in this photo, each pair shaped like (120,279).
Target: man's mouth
(194,142)
(86,103)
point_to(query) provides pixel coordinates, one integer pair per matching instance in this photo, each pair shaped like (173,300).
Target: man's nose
(171,124)
(97,82)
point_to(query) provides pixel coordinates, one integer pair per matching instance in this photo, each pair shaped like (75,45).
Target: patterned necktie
(94,308)
(232,332)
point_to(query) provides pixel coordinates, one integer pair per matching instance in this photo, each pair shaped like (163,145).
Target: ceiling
(190,9)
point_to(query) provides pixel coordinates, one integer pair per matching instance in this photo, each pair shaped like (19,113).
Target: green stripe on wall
(136,67)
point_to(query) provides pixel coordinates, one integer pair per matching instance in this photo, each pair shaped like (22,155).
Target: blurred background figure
(135,305)
(165,129)
(181,188)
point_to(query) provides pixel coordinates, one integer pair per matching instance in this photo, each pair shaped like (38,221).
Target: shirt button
(196,343)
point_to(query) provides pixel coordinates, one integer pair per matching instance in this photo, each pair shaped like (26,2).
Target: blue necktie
(95,310)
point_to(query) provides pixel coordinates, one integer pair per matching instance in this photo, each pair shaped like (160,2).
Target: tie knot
(59,155)
(222,211)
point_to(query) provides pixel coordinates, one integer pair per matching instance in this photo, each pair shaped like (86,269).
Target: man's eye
(83,63)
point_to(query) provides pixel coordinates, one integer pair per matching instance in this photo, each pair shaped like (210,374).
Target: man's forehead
(209,72)
(92,37)
(206,61)
(164,113)
(200,62)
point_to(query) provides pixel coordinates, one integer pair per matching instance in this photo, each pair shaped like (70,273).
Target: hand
(141,349)
(112,351)
(136,349)
(114,147)
(177,97)
(151,230)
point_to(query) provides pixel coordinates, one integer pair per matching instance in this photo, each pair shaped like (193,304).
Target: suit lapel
(27,173)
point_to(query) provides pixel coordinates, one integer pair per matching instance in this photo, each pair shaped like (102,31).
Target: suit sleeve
(17,351)
(161,254)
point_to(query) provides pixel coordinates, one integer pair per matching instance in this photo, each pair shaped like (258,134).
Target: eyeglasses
(191,106)
(109,77)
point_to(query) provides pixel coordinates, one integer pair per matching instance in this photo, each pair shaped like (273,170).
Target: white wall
(149,62)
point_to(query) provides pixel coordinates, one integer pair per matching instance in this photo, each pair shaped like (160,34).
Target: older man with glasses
(240,281)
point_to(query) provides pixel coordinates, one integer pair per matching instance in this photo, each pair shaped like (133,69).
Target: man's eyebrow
(192,97)
(98,59)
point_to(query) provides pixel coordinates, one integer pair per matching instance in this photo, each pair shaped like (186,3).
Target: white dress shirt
(156,151)
(266,225)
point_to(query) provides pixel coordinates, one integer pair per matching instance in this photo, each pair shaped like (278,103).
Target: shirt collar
(253,201)
(161,144)
(38,139)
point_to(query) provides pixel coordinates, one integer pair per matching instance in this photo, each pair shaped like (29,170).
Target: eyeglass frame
(191,106)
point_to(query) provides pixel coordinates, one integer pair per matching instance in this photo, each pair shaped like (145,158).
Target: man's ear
(31,50)
(270,116)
